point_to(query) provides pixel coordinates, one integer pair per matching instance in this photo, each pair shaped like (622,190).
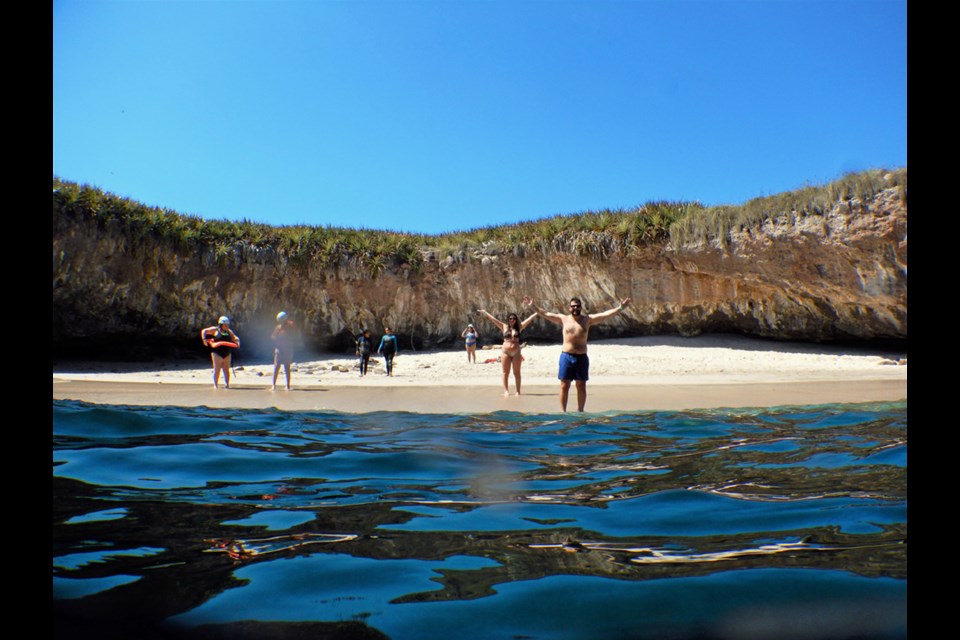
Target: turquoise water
(773,523)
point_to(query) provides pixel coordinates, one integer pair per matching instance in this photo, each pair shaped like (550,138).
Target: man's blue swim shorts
(574,366)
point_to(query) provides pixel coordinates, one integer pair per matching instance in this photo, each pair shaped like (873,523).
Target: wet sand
(535,399)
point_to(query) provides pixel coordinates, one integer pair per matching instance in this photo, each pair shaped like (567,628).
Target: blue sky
(429,116)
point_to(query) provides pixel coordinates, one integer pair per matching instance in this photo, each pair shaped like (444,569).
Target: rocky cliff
(833,276)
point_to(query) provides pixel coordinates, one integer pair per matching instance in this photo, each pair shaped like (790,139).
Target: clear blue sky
(440,115)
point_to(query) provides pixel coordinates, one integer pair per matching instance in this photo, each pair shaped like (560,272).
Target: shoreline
(455,400)
(635,374)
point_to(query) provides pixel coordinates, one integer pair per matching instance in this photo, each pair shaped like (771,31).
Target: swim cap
(281,316)
(223,320)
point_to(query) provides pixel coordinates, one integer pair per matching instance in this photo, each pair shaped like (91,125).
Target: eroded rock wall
(838,276)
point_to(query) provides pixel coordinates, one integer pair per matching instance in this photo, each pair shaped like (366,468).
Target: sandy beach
(635,374)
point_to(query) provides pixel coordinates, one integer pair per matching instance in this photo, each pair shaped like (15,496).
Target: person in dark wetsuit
(388,347)
(220,355)
(510,357)
(282,338)
(364,345)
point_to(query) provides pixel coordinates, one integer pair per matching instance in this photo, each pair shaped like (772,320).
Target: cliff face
(839,276)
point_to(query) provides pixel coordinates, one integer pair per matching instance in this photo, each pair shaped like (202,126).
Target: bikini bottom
(515,351)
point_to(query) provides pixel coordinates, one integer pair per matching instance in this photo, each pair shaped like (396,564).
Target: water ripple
(455,508)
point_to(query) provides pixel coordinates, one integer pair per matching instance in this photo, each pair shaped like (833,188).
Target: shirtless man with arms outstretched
(574,364)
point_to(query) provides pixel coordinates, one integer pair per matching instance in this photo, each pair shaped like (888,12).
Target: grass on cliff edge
(597,234)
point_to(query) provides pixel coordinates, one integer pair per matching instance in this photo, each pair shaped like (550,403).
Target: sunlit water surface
(774,523)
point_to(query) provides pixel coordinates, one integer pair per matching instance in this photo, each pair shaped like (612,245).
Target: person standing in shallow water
(574,363)
(510,357)
(364,344)
(388,347)
(470,337)
(218,338)
(282,338)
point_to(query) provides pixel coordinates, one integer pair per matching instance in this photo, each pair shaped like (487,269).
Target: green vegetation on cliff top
(597,234)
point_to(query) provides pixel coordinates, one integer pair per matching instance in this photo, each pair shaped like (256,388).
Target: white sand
(666,372)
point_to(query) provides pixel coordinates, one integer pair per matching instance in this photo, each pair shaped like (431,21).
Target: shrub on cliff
(596,234)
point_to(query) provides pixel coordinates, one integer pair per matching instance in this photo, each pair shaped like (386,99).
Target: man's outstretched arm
(603,315)
(549,315)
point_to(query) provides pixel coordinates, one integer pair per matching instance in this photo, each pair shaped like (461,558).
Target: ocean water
(209,523)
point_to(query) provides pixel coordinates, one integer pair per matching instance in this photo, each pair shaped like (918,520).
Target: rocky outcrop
(836,276)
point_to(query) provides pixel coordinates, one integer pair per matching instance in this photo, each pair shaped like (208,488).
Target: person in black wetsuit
(388,347)
(364,345)
(282,338)
(220,354)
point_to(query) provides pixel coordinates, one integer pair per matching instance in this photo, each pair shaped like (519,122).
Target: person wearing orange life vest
(222,341)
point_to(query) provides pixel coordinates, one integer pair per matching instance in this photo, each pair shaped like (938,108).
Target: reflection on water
(787,523)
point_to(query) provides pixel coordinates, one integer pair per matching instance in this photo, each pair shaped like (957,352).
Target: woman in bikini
(222,341)
(510,357)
